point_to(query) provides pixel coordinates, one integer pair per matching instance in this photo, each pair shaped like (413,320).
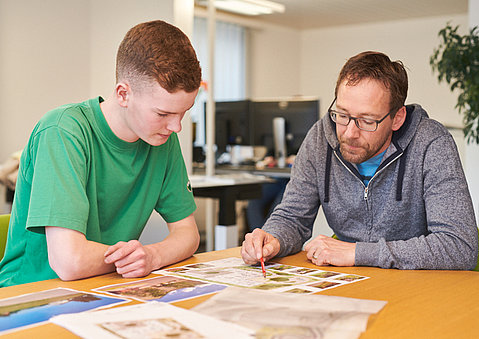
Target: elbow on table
(473,262)
(470,254)
(466,261)
(67,269)
(196,242)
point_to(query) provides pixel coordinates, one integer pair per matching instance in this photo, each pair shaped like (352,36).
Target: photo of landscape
(35,308)
(164,288)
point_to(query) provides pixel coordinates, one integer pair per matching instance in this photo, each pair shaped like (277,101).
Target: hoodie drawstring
(329,155)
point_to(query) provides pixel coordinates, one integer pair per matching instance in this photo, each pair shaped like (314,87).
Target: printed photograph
(199,265)
(35,308)
(177,270)
(325,284)
(350,277)
(324,274)
(282,267)
(164,289)
(303,270)
(151,328)
(298,291)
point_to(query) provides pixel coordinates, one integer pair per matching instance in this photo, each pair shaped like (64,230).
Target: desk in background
(227,189)
(421,304)
(274,172)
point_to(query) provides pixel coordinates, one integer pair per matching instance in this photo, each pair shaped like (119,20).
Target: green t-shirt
(75,173)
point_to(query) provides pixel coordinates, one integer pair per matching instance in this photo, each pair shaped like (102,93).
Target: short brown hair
(377,66)
(158,51)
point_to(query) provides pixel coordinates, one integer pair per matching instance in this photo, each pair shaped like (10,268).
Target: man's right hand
(259,244)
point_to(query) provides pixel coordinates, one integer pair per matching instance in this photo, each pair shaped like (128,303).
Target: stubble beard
(364,152)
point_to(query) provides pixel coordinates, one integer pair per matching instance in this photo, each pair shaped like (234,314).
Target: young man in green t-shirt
(92,173)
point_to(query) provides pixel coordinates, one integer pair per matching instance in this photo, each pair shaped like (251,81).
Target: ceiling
(306,14)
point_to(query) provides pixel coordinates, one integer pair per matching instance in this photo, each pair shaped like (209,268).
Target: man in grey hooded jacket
(388,177)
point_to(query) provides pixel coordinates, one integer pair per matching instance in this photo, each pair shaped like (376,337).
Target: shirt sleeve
(58,196)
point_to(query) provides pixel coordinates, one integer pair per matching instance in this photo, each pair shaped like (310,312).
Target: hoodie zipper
(366,188)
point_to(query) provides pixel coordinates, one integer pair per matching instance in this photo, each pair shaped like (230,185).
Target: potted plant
(456,61)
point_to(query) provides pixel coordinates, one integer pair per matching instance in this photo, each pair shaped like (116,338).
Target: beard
(356,152)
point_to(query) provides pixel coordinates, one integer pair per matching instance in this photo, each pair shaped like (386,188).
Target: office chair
(4,220)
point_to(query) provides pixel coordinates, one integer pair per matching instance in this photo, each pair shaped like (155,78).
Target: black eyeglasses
(368,125)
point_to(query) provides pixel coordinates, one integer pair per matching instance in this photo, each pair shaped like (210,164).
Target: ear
(122,93)
(399,118)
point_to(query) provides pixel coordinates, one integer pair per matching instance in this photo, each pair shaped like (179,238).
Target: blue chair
(4,220)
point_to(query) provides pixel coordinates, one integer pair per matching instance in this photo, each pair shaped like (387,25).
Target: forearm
(434,251)
(74,257)
(174,248)
(181,243)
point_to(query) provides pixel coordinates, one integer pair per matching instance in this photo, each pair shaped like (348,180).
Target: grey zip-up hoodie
(415,213)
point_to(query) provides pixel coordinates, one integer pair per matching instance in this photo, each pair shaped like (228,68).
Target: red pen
(262,267)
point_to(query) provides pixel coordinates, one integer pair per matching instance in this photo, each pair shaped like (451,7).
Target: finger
(113,253)
(320,258)
(310,254)
(138,255)
(122,250)
(133,270)
(258,237)
(248,250)
(247,257)
(270,249)
(111,249)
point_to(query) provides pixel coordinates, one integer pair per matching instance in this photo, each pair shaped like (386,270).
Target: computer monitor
(232,124)
(299,115)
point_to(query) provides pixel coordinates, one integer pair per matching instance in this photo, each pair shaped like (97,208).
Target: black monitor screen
(300,116)
(232,124)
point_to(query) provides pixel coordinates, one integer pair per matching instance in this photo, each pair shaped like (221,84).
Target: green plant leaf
(456,61)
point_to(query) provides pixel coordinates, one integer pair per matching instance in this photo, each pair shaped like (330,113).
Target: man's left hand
(324,250)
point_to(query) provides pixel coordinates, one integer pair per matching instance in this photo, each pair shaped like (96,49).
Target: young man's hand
(324,250)
(259,244)
(131,259)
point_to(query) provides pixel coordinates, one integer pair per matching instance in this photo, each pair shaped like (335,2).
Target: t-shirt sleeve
(176,200)
(58,196)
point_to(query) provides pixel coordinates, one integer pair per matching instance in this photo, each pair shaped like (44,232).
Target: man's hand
(259,244)
(131,259)
(324,250)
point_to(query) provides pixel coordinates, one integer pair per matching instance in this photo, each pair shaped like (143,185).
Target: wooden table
(421,304)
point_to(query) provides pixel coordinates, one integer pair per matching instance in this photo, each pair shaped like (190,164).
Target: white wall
(273,56)
(44,62)
(109,22)
(324,52)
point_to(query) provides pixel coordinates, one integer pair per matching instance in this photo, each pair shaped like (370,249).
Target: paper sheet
(279,277)
(274,315)
(149,320)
